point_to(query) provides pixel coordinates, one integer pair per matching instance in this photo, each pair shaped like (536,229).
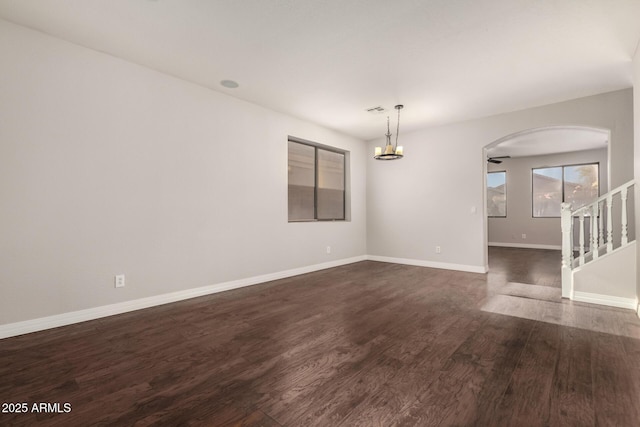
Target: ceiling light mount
(229,84)
(391,151)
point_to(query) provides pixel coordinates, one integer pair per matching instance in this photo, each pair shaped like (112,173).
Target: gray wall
(428,198)
(107,167)
(636,121)
(519,220)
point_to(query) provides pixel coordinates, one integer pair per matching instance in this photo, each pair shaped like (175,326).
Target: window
(581,184)
(547,192)
(497,194)
(575,184)
(316,182)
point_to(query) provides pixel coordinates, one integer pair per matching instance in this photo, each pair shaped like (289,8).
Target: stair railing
(600,228)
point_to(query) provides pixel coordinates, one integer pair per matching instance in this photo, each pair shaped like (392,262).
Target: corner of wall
(636,154)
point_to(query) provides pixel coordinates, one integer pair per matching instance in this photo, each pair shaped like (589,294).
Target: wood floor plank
(615,397)
(526,400)
(572,390)
(474,377)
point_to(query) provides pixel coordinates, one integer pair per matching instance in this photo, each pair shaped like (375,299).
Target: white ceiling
(561,139)
(327,61)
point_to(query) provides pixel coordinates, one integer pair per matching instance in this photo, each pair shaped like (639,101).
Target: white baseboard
(630,303)
(431,264)
(40,324)
(525,246)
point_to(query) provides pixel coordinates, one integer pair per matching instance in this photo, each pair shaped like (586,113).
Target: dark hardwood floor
(531,266)
(360,345)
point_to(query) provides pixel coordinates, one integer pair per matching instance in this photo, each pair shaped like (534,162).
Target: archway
(527,157)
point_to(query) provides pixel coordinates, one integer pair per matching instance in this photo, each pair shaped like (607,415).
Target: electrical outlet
(328,249)
(438,249)
(524,236)
(119,281)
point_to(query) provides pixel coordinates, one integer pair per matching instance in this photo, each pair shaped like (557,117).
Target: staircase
(598,256)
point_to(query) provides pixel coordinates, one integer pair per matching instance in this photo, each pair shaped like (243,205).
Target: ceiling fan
(495,159)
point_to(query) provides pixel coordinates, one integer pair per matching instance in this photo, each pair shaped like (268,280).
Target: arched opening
(528,174)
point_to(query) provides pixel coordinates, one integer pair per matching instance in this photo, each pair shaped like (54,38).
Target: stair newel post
(623,196)
(609,224)
(594,230)
(567,249)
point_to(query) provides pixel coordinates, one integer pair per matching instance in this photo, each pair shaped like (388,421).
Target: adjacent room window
(575,184)
(316,182)
(497,194)
(581,184)
(547,192)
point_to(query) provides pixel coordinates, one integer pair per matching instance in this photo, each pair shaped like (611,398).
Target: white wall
(613,275)
(636,123)
(426,199)
(519,220)
(107,167)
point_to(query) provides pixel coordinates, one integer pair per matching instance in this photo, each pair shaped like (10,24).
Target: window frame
(316,146)
(562,183)
(505,194)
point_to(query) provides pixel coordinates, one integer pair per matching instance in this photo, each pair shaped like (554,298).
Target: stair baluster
(623,195)
(609,223)
(594,230)
(581,241)
(600,223)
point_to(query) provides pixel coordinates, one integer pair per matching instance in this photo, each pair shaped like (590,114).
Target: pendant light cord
(397,128)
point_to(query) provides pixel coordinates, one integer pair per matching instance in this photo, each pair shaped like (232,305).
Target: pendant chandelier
(391,152)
